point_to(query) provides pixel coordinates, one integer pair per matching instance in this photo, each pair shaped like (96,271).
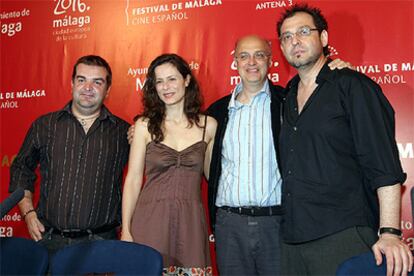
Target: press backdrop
(42,39)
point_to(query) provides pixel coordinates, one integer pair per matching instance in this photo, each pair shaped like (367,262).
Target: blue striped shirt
(250,174)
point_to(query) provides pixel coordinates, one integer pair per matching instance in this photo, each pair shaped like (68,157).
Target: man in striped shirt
(82,150)
(245,183)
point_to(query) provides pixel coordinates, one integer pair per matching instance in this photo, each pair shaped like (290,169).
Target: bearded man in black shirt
(82,150)
(341,171)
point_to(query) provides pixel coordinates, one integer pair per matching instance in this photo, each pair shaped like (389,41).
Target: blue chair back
(20,256)
(412,202)
(363,264)
(107,256)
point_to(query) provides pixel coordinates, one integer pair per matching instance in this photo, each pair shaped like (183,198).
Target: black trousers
(247,245)
(322,256)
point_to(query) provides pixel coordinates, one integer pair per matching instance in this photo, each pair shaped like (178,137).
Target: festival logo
(10,99)
(155,12)
(11,21)
(388,73)
(71,20)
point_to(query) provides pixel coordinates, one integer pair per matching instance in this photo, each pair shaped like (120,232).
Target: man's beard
(301,64)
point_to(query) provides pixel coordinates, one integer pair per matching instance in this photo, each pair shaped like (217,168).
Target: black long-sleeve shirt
(335,154)
(81,174)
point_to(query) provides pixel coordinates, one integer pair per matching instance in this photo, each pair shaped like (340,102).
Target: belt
(77,233)
(254,211)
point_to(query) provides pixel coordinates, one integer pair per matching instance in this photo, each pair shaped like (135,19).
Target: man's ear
(324,38)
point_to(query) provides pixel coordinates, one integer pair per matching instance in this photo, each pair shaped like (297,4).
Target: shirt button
(291,150)
(295,128)
(289,172)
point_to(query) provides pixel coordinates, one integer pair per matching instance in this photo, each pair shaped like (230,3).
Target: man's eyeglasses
(258,56)
(301,32)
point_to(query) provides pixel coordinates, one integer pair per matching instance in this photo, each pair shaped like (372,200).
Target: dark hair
(97,61)
(154,107)
(318,19)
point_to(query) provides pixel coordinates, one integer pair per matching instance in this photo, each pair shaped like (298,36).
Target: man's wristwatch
(390,230)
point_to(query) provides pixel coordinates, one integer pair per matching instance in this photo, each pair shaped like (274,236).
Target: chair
(412,203)
(363,264)
(107,256)
(20,256)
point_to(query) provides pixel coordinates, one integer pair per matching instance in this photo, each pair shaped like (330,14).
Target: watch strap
(390,230)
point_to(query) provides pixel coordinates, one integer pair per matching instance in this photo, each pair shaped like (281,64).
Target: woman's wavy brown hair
(154,107)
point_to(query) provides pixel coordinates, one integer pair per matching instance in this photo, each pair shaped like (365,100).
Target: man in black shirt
(82,150)
(341,171)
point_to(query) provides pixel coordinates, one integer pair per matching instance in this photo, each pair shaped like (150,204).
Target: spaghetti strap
(205,126)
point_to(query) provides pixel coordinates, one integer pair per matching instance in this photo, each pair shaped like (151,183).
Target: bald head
(253,57)
(252,39)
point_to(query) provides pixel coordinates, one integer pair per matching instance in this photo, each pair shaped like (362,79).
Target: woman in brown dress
(172,144)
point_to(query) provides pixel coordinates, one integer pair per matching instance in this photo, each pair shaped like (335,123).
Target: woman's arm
(133,180)
(210,134)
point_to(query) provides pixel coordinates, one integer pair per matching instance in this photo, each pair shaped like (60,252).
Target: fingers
(340,64)
(130,134)
(35,233)
(333,64)
(344,65)
(40,226)
(407,260)
(127,237)
(399,259)
(393,263)
(405,264)
(377,254)
(35,228)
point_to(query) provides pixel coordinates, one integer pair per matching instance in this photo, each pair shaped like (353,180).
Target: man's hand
(340,64)
(398,255)
(34,226)
(130,134)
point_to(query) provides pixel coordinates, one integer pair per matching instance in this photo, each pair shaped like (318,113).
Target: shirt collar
(105,113)
(236,91)
(325,74)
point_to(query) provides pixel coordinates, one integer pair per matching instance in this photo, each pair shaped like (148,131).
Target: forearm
(22,170)
(399,259)
(34,226)
(129,200)
(26,204)
(390,205)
